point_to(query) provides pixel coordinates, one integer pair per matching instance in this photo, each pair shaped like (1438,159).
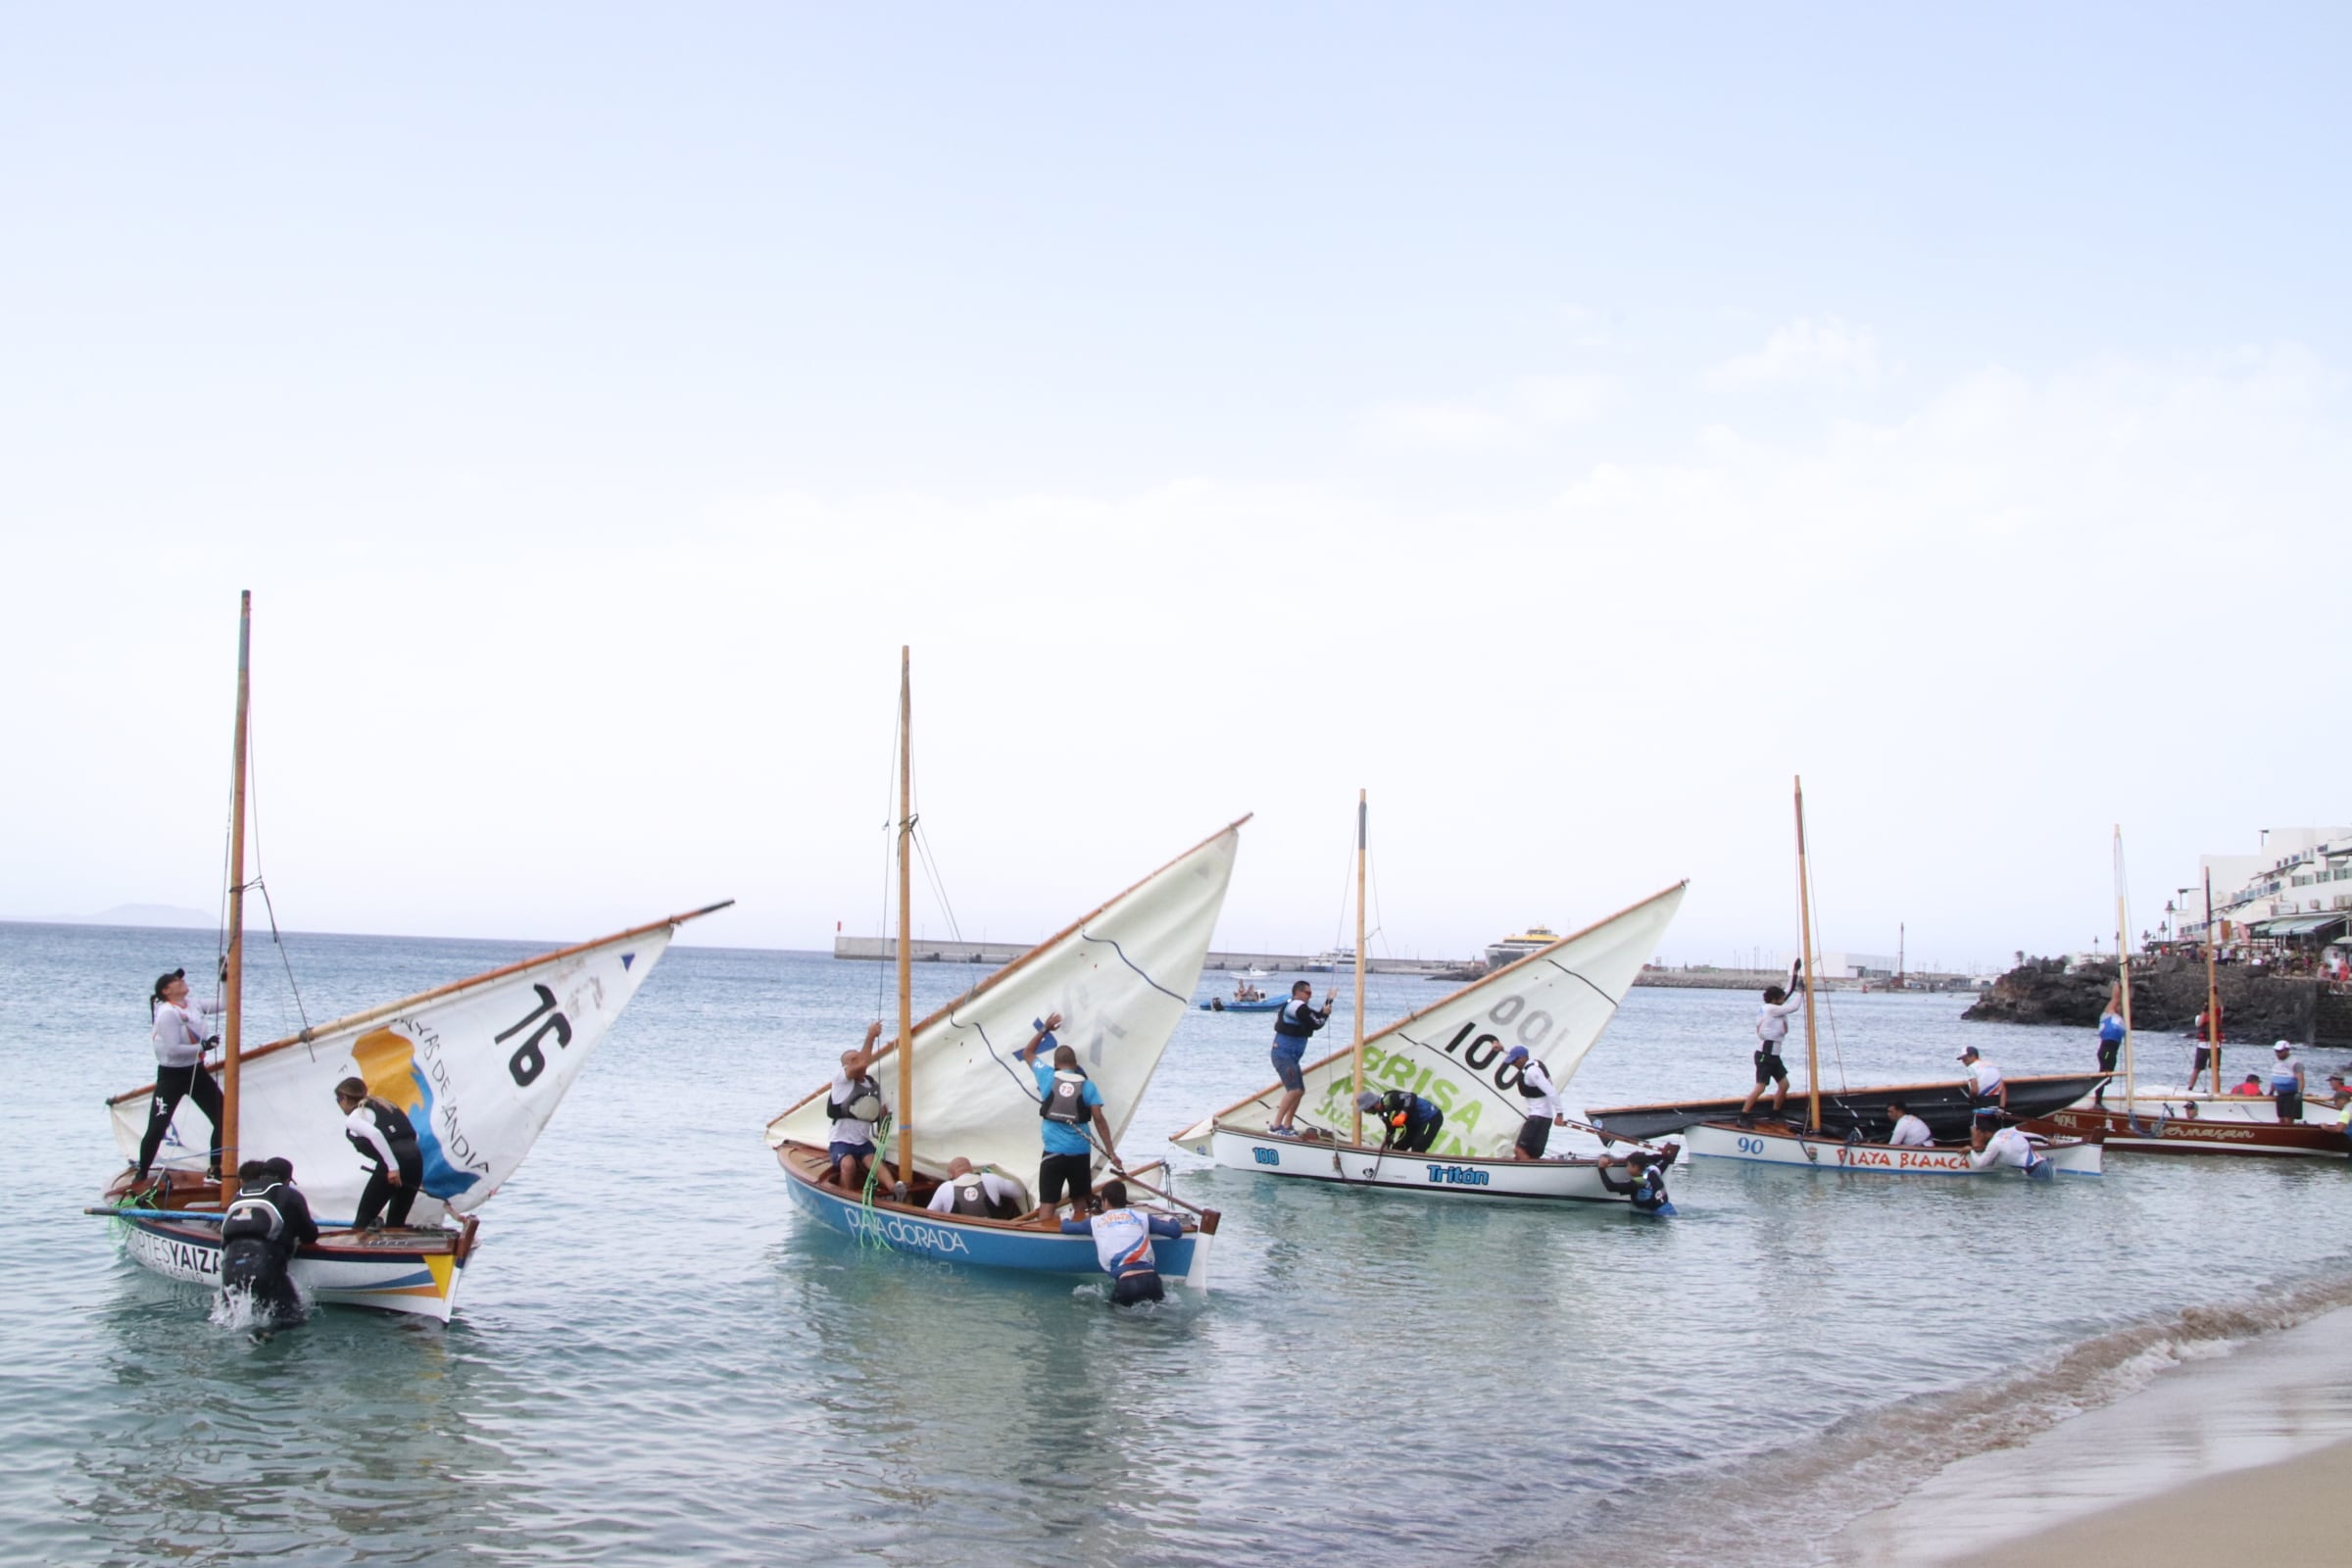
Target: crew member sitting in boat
(1987,1092)
(855,1102)
(2008,1146)
(1907,1131)
(1067,1100)
(1408,1123)
(2111,1042)
(1294,1025)
(2252,1088)
(976,1194)
(1645,1183)
(1123,1244)
(1771,1029)
(179,1036)
(2287,1083)
(1544,1108)
(387,1139)
(264,1223)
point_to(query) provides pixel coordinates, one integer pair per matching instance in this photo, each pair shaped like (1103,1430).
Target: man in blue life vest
(1067,1102)
(1123,1244)
(1408,1123)
(1293,1026)
(2111,1042)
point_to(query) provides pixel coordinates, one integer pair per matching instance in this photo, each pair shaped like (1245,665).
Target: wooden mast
(2123,962)
(2212,992)
(1357,1055)
(232,978)
(905,1154)
(1804,940)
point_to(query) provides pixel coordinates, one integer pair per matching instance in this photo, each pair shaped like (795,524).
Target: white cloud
(1805,352)
(1516,419)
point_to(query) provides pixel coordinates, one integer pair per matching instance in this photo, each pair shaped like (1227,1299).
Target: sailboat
(1121,976)
(1556,1001)
(1784,1144)
(2184,1121)
(478,1065)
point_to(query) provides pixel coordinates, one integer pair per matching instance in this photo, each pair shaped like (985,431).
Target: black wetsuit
(1648,1188)
(400,1133)
(258,1240)
(1408,1123)
(173,1084)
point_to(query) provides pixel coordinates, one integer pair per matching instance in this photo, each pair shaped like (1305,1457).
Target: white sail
(1121,978)
(478,1066)
(1556,1001)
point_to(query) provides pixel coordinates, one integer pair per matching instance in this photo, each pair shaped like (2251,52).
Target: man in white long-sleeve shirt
(2008,1146)
(1908,1131)
(1772,1028)
(179,1036)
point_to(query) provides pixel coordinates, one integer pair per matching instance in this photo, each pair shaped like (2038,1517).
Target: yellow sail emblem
(387,1063)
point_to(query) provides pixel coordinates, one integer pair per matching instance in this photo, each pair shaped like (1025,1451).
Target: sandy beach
(2226,1455)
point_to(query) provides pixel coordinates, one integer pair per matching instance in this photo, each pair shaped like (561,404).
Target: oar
(1137,1181)
(196,1215)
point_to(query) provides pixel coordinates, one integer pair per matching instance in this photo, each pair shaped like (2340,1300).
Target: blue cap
(1515,1054)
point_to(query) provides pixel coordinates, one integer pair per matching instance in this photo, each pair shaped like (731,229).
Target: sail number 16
(528,1060)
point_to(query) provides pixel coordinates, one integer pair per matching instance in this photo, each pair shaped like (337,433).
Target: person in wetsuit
(1123,1244)
(1408,1123)
(264,1223)
(180,1036)
(1644,1182)
(387,1139)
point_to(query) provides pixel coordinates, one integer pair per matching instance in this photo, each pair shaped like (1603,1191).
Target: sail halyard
(1362,810)
(232,976)
(1804,937)
(904,1156)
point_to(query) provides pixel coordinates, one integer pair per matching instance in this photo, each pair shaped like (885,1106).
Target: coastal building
(2298,889)
(1855,965)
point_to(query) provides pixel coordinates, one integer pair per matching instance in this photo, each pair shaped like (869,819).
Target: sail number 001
(528,1062)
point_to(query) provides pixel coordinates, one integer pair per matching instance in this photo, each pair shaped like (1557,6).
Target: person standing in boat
(2206,1041)
(1772,1030)
(181,1038)
(1907,1131)
(1408,1123)
(2111,1042)
(1544,1108)
(1123,1244)
(387,1139)
(1067,1102)
(855,1102)
(2287,1082)
(1987,1091)
(1294,1025)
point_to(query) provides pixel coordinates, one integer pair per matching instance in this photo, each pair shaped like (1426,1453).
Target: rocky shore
(2167,995)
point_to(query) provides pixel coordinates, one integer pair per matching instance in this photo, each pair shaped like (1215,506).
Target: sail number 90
(528,1062)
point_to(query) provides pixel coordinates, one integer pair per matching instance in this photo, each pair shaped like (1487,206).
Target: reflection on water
(656,1356)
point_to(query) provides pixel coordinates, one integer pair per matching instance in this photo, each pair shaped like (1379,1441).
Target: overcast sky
(1569,423)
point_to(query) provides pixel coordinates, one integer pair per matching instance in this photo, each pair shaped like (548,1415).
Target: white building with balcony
(2299,888)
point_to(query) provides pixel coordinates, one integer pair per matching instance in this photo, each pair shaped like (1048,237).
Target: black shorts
(1769,1066)
(1054,1172)
(2109,1049)
(1129,1288)
(1418,1136)
(1535,1135)
(2290,1104)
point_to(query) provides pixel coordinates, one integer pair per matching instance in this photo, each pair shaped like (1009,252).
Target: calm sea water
(656,1358)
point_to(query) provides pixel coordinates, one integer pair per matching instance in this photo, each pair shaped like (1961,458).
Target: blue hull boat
(987,1243)
(1228,1005)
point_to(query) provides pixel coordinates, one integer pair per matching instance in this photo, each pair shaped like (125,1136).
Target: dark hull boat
(1944,1107)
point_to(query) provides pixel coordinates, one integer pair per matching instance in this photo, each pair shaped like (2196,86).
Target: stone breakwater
(2167,995)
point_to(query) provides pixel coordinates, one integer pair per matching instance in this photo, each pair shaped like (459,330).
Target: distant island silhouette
(159,914)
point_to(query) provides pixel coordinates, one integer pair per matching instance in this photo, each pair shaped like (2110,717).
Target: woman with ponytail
(180,1036)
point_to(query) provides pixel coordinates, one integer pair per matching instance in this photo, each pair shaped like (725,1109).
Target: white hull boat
(1767,1144)
(1359,1165)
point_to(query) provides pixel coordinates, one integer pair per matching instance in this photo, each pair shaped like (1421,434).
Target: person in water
(1544,1108)
(264,1225)
(1294,1025)
(1645,1181)
(2287,1082)
(1988,1090)
(1772,1030)
(1123,1244)
(179,1036)
(1067,1104)
(976,1194)
(2007,1146)
(2111,1042)
(1907,1131)
(1408,1123)
(855,1102)
(387,1139)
